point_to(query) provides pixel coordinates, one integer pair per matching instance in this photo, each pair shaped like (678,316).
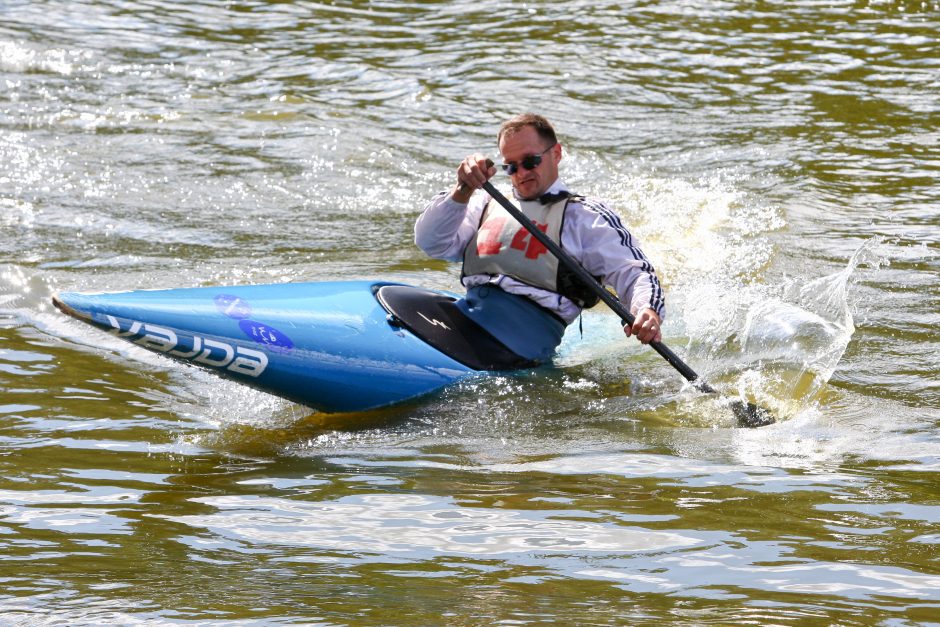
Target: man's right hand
(471,174)
(647,327)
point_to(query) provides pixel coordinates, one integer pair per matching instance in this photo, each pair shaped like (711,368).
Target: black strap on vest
(569,285)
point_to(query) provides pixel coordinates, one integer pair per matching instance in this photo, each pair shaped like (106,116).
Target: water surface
(778,164)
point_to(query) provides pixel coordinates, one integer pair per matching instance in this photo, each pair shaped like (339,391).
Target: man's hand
(471,174)
(646,327)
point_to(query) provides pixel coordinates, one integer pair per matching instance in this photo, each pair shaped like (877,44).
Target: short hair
(516,123)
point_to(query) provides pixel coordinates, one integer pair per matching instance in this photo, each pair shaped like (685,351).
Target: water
(779,164)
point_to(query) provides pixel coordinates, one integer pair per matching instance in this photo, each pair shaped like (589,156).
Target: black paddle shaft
(609,299)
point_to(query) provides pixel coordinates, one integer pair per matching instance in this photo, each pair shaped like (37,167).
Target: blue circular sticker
(233,306)
(264,334)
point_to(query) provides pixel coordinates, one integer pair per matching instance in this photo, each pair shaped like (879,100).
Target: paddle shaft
(609,299)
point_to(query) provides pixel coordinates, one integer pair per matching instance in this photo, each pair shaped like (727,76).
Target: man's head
(531,151)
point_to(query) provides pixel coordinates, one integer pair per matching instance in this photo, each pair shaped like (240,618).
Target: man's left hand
(646,327)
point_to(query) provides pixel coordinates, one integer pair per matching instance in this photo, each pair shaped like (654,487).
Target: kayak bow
(334,346)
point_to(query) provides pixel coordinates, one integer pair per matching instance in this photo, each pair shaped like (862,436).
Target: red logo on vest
(488,239)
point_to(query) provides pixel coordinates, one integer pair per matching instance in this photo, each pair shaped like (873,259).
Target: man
(517,290)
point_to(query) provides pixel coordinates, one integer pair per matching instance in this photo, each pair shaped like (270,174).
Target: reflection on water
(777,164)
(418,526)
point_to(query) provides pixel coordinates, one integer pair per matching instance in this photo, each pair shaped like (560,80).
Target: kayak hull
(328,345)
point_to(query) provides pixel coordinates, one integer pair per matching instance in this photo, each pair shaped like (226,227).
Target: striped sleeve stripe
(657,300)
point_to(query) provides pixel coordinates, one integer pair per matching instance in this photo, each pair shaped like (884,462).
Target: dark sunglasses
(529,162)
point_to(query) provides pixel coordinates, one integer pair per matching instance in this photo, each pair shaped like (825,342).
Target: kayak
(339,346)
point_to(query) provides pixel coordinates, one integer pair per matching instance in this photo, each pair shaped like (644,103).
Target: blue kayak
(334,346)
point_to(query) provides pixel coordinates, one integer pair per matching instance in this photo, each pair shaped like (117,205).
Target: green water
(779,164)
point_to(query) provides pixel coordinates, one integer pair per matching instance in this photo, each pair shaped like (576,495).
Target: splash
(774,345)
(791,337)
(19,58)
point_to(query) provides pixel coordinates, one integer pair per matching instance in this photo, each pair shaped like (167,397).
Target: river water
(779,163)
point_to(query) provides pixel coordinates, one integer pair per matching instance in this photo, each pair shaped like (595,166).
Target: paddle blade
(751,416)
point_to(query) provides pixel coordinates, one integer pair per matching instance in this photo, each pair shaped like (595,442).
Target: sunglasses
(529,162)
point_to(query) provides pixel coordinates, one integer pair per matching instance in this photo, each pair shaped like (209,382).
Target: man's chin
(527,192)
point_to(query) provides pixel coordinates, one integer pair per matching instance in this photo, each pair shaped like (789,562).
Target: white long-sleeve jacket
(592,233)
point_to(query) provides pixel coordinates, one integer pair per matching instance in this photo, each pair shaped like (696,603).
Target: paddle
(748,414)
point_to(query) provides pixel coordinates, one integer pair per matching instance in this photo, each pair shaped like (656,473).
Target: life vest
(503,246)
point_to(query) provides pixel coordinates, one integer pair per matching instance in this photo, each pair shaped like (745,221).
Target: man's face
(524,143)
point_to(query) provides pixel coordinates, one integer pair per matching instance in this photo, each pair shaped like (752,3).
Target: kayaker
(516,289)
